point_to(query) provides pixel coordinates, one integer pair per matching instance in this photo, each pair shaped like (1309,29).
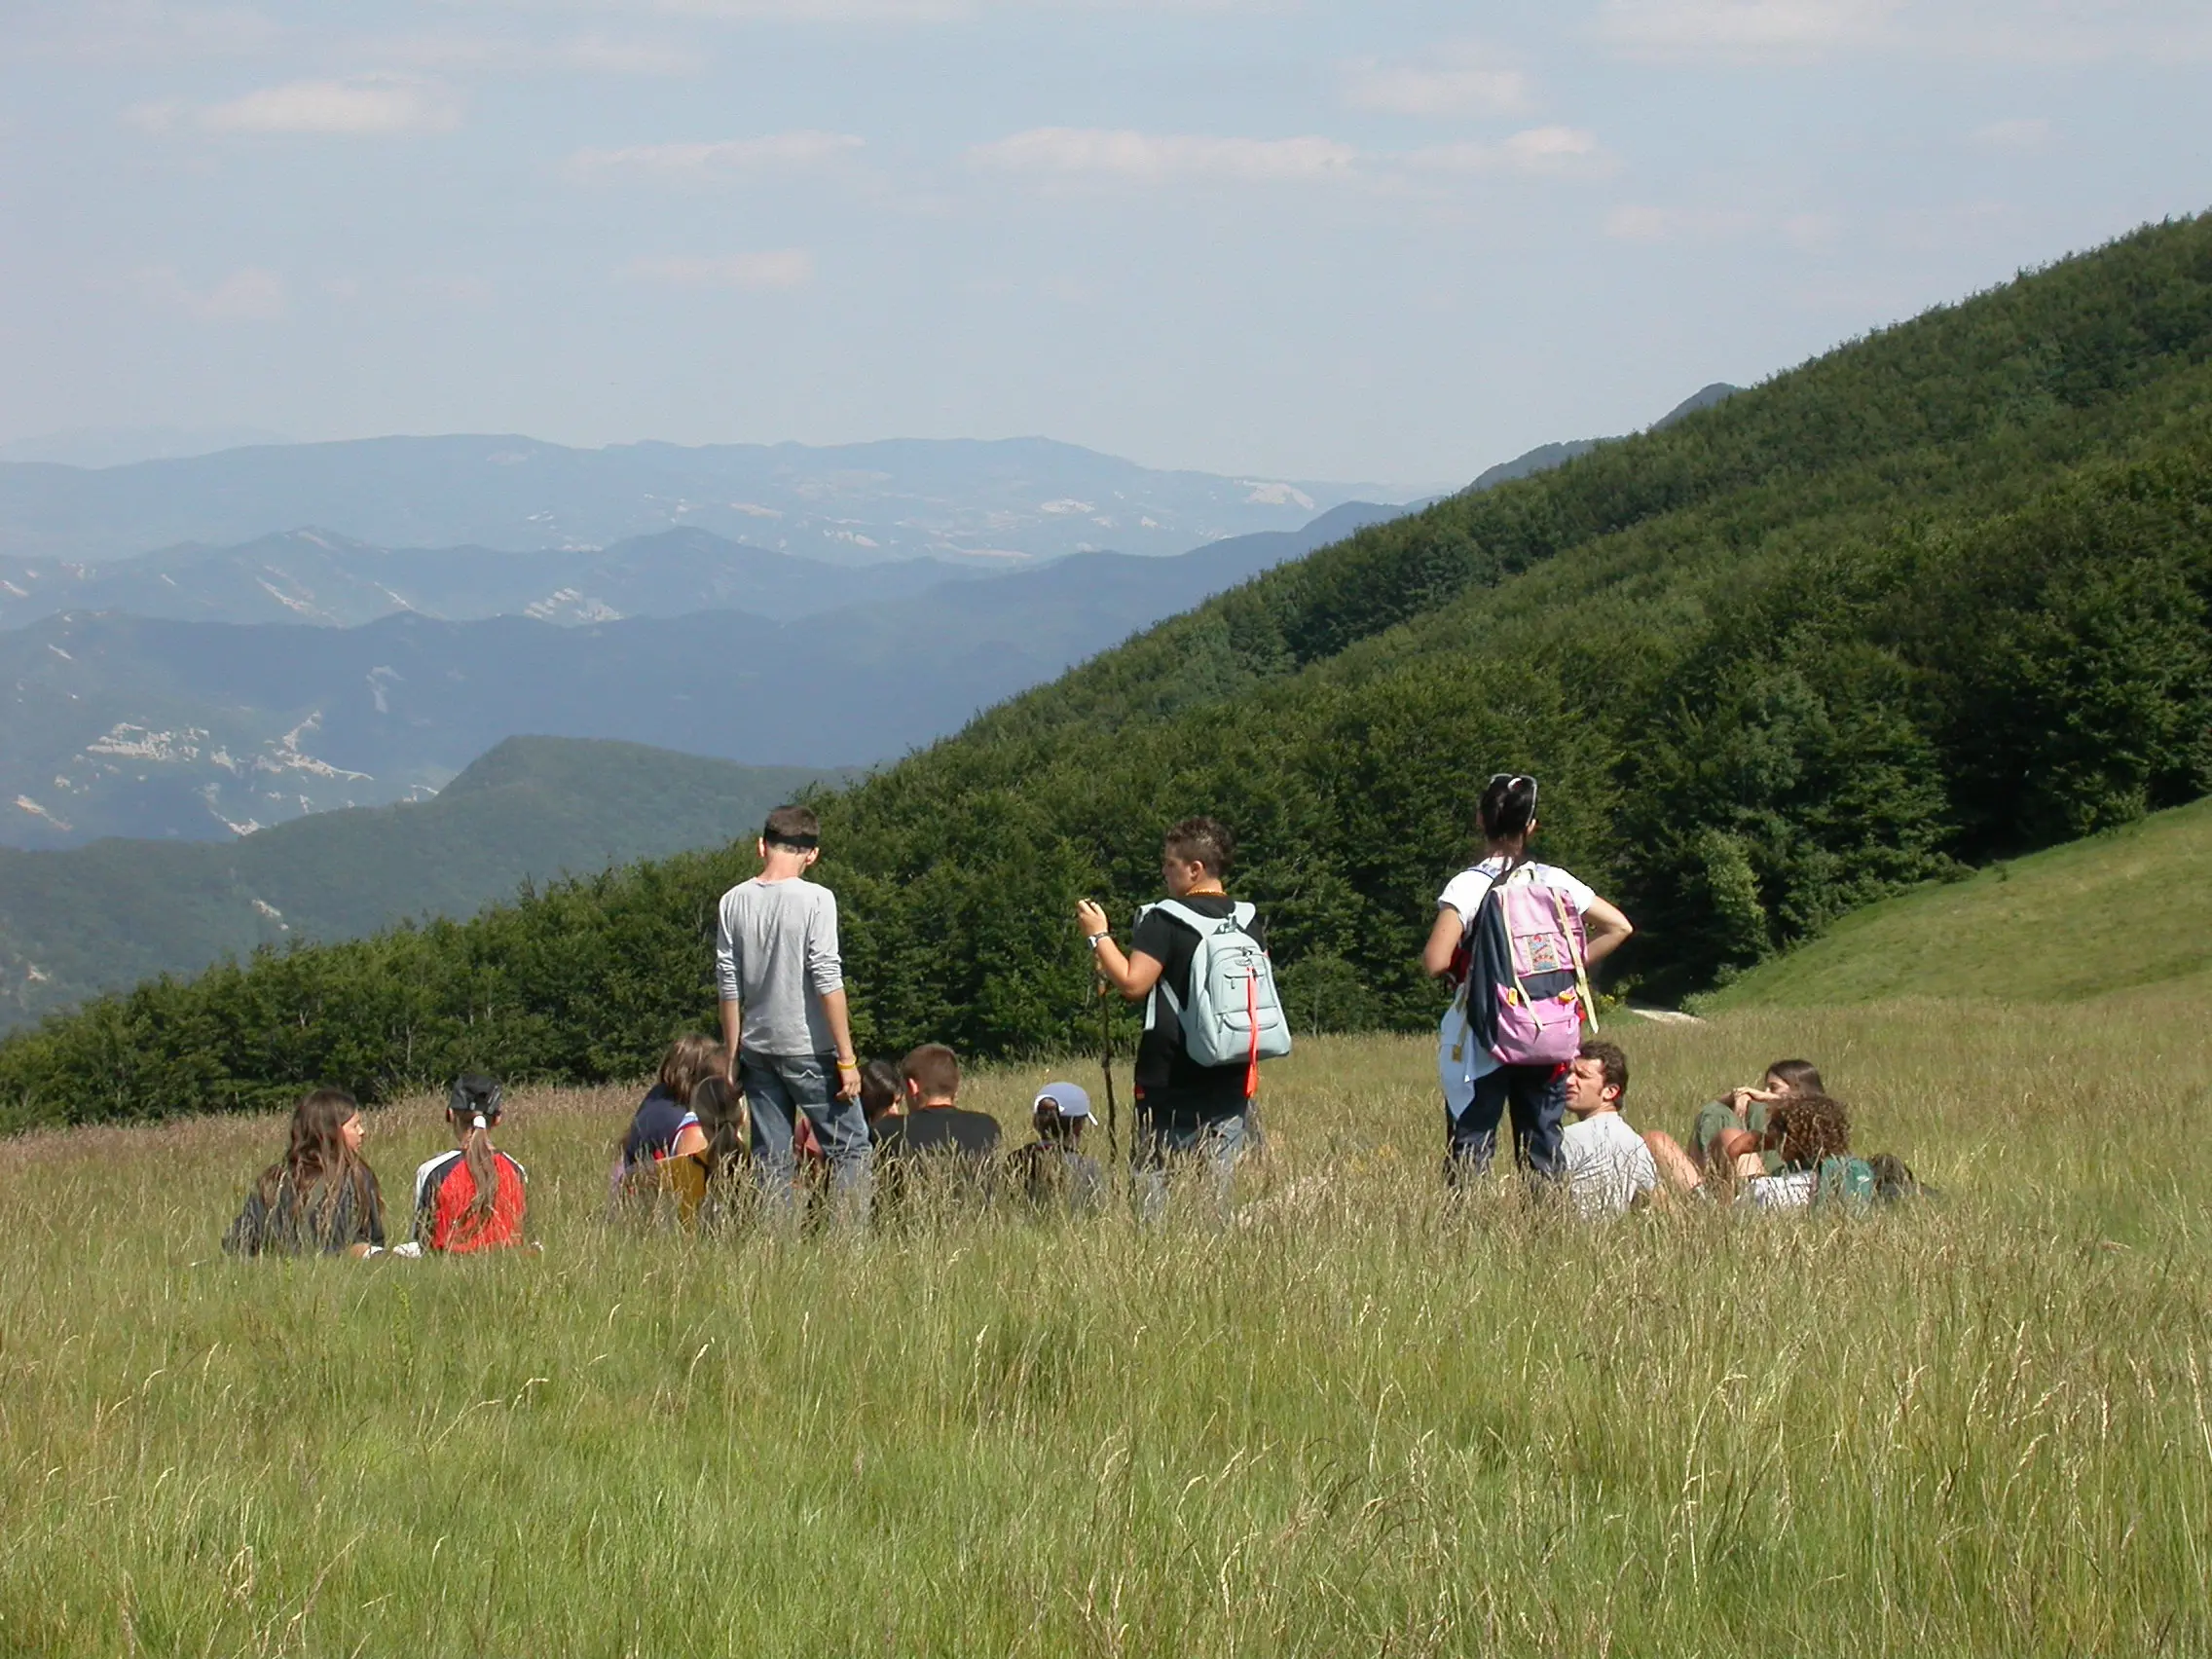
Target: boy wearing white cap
(1053,1170)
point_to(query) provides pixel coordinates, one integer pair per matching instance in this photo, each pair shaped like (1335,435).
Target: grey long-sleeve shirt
(776,956)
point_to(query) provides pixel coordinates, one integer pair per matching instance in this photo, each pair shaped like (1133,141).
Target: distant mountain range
(1008,501)
(112,913)
(119,446)
(126,725)
(321,575)
(313,576)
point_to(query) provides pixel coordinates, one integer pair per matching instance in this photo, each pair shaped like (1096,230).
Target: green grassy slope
(2130,908)
(1937,597)
(532,809)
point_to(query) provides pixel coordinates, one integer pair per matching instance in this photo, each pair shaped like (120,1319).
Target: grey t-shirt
(775,955)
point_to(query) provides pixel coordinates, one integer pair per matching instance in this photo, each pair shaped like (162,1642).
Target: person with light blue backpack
(1198,962)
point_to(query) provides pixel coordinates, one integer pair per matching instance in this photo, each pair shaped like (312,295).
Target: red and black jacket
(445,1193)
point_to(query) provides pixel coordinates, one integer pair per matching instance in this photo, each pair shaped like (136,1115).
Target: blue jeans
(1164,1143)
(1537,1097)
(778,1086)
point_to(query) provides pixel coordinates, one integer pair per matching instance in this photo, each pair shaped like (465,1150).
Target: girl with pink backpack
(1517,938)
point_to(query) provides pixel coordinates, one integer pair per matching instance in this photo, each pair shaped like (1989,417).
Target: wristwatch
(1094,941)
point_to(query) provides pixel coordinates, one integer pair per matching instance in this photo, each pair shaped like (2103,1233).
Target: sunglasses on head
(1512,780)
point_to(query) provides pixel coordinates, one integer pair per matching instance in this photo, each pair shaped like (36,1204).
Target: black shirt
(942,1129)
(944,1151)
(1168,1082)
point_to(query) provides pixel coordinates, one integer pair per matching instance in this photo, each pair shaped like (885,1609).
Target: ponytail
(483,1170)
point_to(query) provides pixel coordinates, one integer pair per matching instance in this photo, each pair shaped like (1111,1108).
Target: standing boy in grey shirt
(785,1029)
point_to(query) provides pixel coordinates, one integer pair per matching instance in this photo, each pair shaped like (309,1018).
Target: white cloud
(821,11)
(1995,31)
(1805,232)
(711,162)
(461,289)
(918,11)
(1744,28)
(2032,134)
(1647,223)
(587,55)
(1812,231)
(600,55)
(1567,151)
(144,31)
(365,106)
(1449,89)
(1061,154)
(250,294)
(777,269)
(1074,152)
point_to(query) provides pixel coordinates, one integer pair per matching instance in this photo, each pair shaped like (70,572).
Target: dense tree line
(1935,597)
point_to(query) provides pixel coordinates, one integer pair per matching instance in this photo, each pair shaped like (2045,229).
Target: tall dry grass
(1356,1420)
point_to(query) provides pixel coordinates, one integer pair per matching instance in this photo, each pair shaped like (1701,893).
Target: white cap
(1070,1098)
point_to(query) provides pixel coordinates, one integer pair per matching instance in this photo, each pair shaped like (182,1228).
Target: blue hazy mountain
(120,446)
(117,724)
(1003,501)
(315,576)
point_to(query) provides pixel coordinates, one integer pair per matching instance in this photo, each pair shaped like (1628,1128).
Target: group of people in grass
(1782,1143)
(687,1156)
(778,1114)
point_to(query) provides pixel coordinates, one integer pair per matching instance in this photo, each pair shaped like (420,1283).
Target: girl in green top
(1730,1137)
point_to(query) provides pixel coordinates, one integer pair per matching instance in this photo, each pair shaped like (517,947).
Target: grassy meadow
(1354,1420)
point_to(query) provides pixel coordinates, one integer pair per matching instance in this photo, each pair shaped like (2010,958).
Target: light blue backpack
(1235,1014)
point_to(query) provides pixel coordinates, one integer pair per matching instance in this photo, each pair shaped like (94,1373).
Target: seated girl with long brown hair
(320,1197)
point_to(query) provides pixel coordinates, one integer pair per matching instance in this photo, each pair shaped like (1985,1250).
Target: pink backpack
(1527,990)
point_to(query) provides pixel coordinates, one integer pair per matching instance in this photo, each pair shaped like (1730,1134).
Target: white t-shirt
(1607,1165)
(1794,1191)
(1464,893)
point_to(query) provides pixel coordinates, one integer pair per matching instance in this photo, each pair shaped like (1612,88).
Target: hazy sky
(1385,240)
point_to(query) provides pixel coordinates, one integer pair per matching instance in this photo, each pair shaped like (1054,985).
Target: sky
(1387,241)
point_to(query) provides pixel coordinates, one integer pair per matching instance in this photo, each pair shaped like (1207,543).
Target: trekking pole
(1106,1065)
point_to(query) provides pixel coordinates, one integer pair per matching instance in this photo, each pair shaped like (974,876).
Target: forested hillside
(1938,595)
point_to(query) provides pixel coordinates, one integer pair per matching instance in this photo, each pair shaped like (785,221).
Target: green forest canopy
(1935,597)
